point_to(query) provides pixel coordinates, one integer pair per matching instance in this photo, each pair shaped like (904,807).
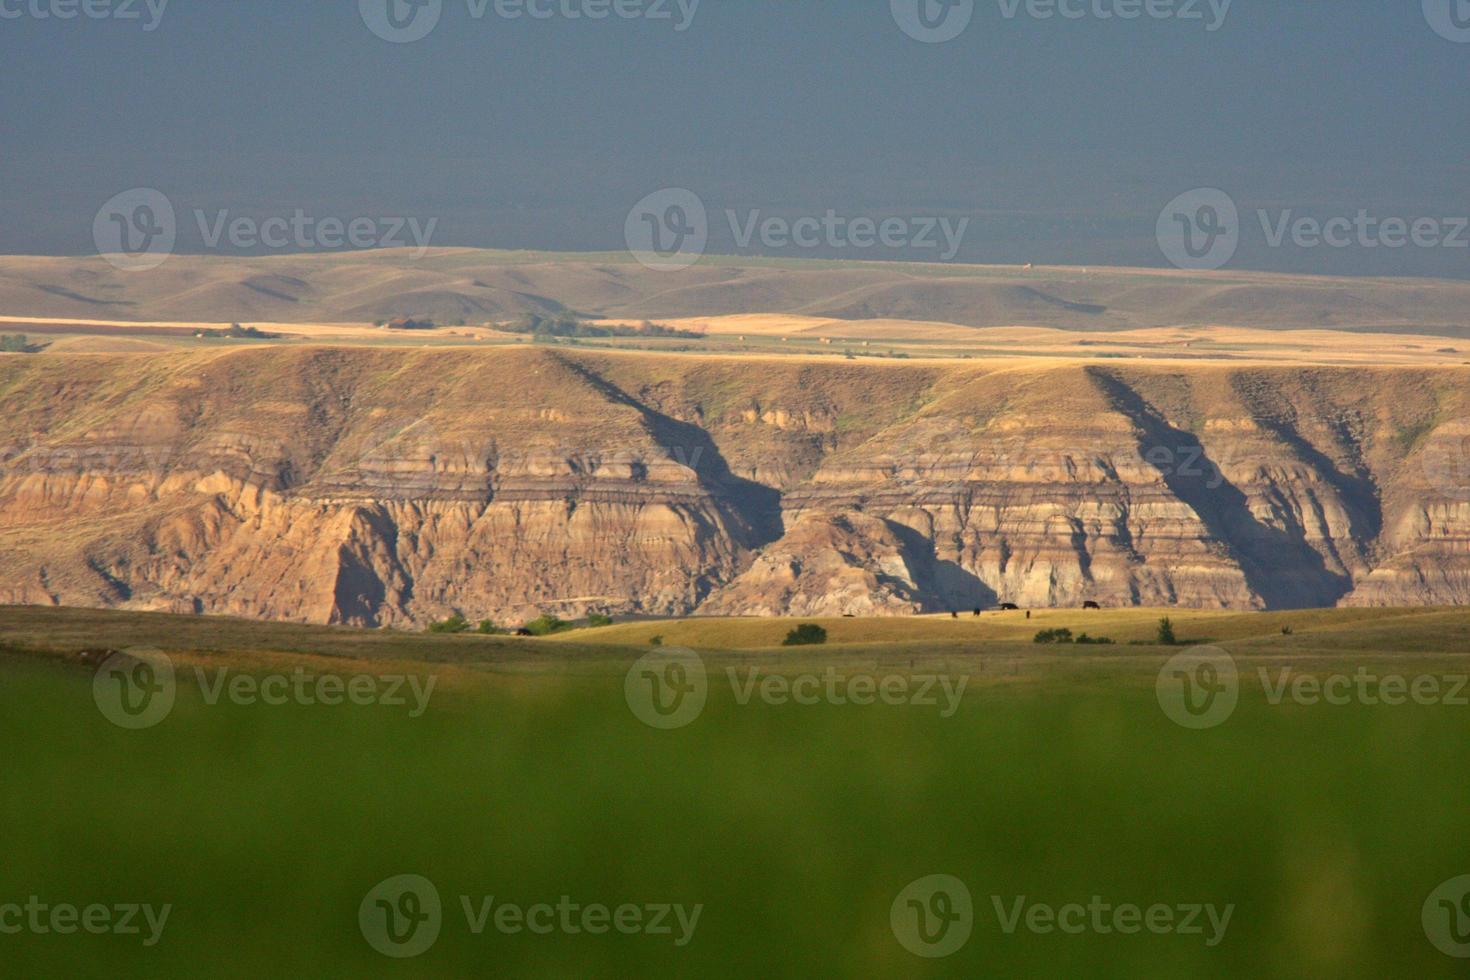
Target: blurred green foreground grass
(795,827)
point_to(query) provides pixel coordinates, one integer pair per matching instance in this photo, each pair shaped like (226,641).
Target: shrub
(597,620)
(1098,641)
(656,641)
(488,628)
(1287,631)
(1062,635)
(546,625)
(806,635)
(454,624)
(17,343)
(1166,633)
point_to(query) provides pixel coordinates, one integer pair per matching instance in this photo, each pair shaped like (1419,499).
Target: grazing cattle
(1091,605)
(524,632)
(1009,607)
(977,611)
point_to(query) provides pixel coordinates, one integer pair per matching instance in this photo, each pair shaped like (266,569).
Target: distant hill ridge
(474,286)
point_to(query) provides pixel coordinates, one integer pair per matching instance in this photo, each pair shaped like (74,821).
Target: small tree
(488,627)
(806,635)
(1166,633)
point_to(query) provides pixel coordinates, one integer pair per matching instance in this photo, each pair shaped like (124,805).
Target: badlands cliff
(390,487)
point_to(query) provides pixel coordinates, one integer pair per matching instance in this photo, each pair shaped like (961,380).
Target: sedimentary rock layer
(386,487)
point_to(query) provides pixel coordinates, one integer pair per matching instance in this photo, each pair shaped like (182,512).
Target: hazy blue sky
(1061,140)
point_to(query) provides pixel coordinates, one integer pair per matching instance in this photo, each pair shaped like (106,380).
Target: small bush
(597,620)
(547,625)
(806,635)
(1062,635)
(1097,641)
(454,624)
(1166,635)
(656,641)
(17,343)
(1287,631)
(488,628)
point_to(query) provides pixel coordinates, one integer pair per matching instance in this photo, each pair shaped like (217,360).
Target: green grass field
(794,827)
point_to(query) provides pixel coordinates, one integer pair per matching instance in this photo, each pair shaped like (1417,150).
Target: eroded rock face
(378,487)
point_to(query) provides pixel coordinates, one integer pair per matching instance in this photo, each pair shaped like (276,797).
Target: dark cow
(1009,607)
(1090,605)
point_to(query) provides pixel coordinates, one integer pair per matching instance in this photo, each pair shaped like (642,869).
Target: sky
(1032,138)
